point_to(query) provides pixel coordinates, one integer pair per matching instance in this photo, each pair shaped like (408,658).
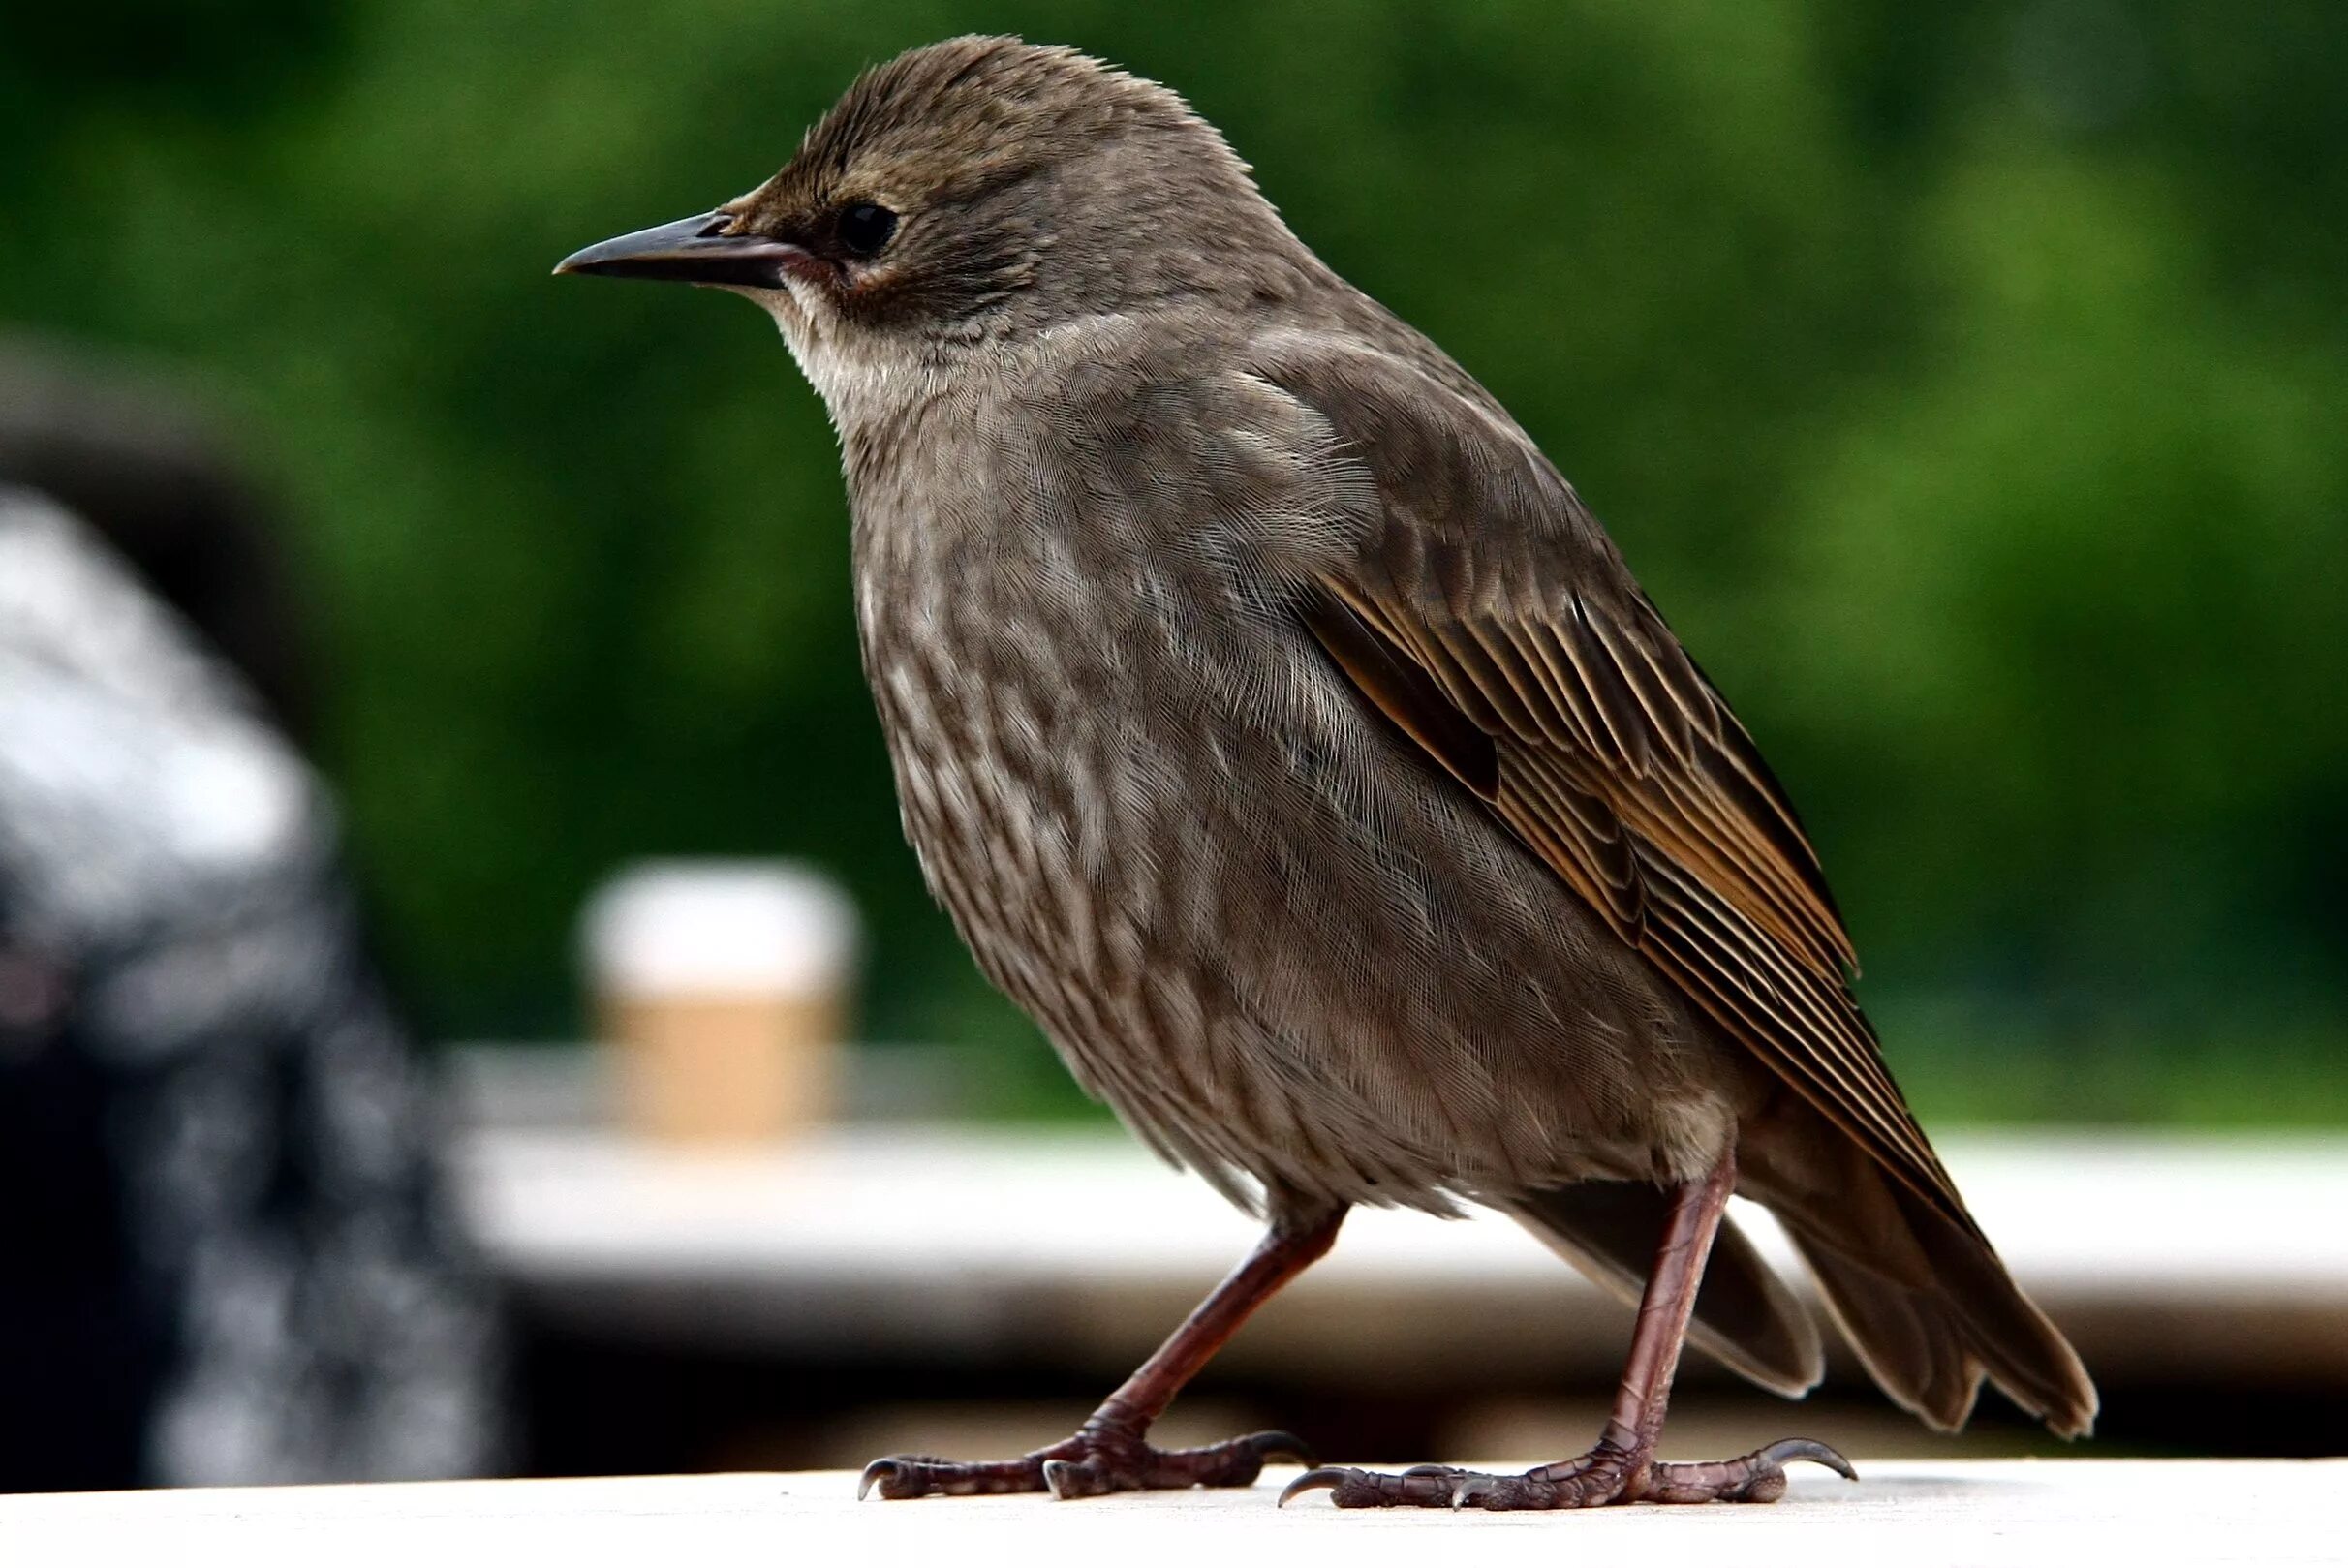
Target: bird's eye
(865,227)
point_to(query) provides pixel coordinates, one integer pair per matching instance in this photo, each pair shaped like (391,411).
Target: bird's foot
(1100,1459)
(1606,1474)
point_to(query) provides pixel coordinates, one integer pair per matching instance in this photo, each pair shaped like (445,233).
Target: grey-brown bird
(1281,731)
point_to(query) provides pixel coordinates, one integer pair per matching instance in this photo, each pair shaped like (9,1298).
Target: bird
(1282,732)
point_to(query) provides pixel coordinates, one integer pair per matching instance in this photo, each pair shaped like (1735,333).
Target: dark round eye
(865,227)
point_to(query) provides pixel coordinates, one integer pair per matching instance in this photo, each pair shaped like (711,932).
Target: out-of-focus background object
(1964,382)
(723,985)
(226,1252)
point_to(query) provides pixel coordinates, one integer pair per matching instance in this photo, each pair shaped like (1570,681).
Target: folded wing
(1485,615)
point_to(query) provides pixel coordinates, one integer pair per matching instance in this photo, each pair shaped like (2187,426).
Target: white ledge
(2012,1514)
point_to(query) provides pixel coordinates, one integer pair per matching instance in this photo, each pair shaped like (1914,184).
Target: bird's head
(976,187)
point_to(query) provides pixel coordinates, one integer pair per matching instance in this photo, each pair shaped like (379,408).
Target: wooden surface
(2168,1259)
(2078,1514)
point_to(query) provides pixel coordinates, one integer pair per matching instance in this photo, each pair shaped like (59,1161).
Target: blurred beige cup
(723,986)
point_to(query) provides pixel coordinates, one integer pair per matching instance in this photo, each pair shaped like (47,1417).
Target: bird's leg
(1622,1467)
(1110,1450)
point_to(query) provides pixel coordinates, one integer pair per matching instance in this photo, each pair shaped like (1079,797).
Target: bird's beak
(691,250)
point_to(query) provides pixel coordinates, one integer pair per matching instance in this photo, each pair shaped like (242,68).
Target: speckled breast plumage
(1228,896)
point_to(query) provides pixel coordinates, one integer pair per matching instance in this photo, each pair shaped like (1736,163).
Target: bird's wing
(1487,616)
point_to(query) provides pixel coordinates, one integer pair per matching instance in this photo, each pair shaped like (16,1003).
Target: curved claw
(1485,1491)
(1327,1478)
(879,1470)
(1801,1448)
(1064,1480)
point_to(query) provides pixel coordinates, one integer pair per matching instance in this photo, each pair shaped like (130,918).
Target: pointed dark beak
(691,250)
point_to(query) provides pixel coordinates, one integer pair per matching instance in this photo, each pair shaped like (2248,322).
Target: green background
(1968,384)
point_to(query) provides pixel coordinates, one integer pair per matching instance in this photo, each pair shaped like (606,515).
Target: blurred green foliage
(1967,382)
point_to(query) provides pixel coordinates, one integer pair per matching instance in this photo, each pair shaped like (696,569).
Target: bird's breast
(1032,778)
(1250,916)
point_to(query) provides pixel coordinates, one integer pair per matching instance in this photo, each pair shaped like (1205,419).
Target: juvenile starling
(1281,731)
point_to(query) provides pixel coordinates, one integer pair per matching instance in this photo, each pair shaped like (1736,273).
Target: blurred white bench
(2168,1259)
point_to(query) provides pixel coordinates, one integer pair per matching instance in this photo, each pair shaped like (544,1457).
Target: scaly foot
(1606,1474)
(1100,1459)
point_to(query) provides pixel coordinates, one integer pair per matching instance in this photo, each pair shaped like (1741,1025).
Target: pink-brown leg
(1622,1467)
(1110,1450)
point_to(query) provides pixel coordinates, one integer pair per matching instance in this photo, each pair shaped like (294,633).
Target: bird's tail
(1925,1301)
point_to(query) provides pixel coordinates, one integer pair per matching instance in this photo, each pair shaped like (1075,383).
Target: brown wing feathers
(1400,688)
(1610,756)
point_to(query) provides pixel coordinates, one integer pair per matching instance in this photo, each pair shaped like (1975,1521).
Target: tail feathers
(1927,1305)
(1745,1315)
(1910,1343)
